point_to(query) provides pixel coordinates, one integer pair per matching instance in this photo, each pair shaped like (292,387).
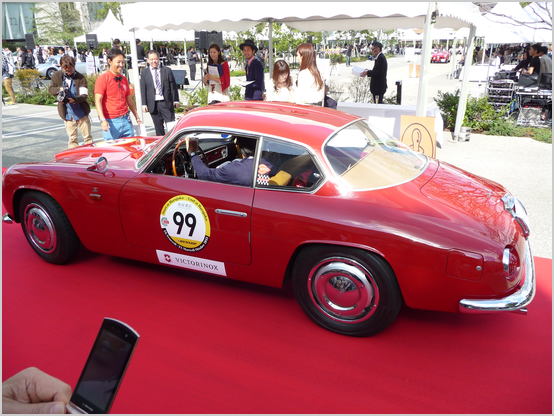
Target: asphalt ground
(524,166)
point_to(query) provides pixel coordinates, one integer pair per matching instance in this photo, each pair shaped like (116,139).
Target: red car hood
(473,195)
(114,150)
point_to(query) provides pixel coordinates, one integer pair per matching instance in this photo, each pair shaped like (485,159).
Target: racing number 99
(189,220)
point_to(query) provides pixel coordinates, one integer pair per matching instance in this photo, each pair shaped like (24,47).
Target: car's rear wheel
(50,73)
(345,290)
(47,228)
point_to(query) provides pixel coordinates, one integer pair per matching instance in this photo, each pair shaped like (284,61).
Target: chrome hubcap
(40,228)
(343,289)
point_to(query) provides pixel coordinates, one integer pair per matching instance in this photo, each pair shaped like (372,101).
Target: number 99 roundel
(185,223)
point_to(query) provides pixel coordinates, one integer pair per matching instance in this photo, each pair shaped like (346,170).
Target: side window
(285,165)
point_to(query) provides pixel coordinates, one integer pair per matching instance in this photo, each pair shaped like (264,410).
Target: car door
(193,218)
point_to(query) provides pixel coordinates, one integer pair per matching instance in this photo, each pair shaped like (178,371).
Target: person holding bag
(218,77)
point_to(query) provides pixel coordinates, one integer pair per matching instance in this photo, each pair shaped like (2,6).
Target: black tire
(50,72)
(47,228)
(348,291)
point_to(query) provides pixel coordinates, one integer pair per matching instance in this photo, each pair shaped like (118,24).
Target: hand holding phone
(104,369)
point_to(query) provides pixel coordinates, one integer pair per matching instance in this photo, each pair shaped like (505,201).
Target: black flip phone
(104,369)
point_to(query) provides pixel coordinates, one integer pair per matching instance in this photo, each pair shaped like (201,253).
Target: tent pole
(465,83)
(421,107)
(270,54)
(453,56)
(135,71)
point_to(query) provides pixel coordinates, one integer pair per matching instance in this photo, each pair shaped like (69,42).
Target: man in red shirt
(113,99)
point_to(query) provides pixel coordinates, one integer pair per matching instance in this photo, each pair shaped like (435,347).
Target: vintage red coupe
(357,220)
(440,56)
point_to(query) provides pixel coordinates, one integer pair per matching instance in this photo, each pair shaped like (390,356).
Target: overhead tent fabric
(504,25)
(303,16)
(111,28)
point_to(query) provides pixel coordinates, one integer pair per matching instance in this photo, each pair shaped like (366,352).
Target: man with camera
(71,90)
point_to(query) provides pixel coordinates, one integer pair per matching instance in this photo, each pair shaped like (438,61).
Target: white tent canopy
(304,16)
(503,26)
(111,28)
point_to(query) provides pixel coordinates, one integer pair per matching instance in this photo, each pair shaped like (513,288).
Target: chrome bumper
(6,219)
(513,303)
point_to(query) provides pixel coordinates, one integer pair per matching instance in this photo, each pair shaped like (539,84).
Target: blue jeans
(119,127)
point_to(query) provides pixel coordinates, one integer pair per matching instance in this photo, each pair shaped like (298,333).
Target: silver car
(52,65)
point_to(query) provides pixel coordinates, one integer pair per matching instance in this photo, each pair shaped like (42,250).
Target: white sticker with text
(192,263)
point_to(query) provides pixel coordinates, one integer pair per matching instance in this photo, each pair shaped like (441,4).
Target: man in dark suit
(140,51)
(378,74)
(159,89)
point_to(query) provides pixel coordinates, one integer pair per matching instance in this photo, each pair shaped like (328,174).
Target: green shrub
(448,106)
(337,58)
(505,128)
(480,114)
(238,73)
(196,98)
(91,82)
(235,93)
(26,81)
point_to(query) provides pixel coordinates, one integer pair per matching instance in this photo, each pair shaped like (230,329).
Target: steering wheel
(187,159)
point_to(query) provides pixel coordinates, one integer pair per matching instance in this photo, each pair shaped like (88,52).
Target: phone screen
(105,367)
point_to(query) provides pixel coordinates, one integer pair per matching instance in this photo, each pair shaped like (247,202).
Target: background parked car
(52,65)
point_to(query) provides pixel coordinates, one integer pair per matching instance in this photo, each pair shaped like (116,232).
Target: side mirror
(101,165)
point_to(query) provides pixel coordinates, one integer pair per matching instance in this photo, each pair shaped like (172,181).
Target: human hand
(145,109)
(176,105)
(33,391)
(105,126)
(363,74)
(192,144)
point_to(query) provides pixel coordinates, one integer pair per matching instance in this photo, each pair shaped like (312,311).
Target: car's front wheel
(345,290)
(50,73)
(47,228)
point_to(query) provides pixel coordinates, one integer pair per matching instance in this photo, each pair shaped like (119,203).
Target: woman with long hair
(218,77)
(283,88)
(310,88)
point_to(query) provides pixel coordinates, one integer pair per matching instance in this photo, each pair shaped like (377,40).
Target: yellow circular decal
(185,223)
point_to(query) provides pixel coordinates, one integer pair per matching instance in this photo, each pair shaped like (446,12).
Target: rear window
(367,158)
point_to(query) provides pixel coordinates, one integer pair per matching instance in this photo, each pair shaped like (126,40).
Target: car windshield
(367,158)
(153,148)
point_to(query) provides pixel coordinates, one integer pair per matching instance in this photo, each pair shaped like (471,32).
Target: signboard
(419,134)
(90,65)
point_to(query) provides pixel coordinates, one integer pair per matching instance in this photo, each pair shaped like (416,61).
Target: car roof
(308,124)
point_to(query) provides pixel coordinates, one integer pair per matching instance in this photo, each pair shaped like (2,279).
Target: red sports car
(442,56)
(358,221)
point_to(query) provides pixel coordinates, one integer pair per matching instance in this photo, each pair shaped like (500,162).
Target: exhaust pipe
(522,311)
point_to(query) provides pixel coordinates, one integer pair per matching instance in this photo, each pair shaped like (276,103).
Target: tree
(115,7)
(57,22)
(540,18)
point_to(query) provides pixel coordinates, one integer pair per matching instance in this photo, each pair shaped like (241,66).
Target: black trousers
(192,72)
(162,112)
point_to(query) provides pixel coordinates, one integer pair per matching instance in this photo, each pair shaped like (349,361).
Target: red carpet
(214,346)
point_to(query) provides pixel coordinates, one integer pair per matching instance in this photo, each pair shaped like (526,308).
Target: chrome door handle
(231,213)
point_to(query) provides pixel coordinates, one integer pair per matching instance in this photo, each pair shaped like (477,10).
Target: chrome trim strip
(231,213)
(512,303)
(7,219)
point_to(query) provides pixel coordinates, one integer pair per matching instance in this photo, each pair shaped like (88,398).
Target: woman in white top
(309,87)
(283,89)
